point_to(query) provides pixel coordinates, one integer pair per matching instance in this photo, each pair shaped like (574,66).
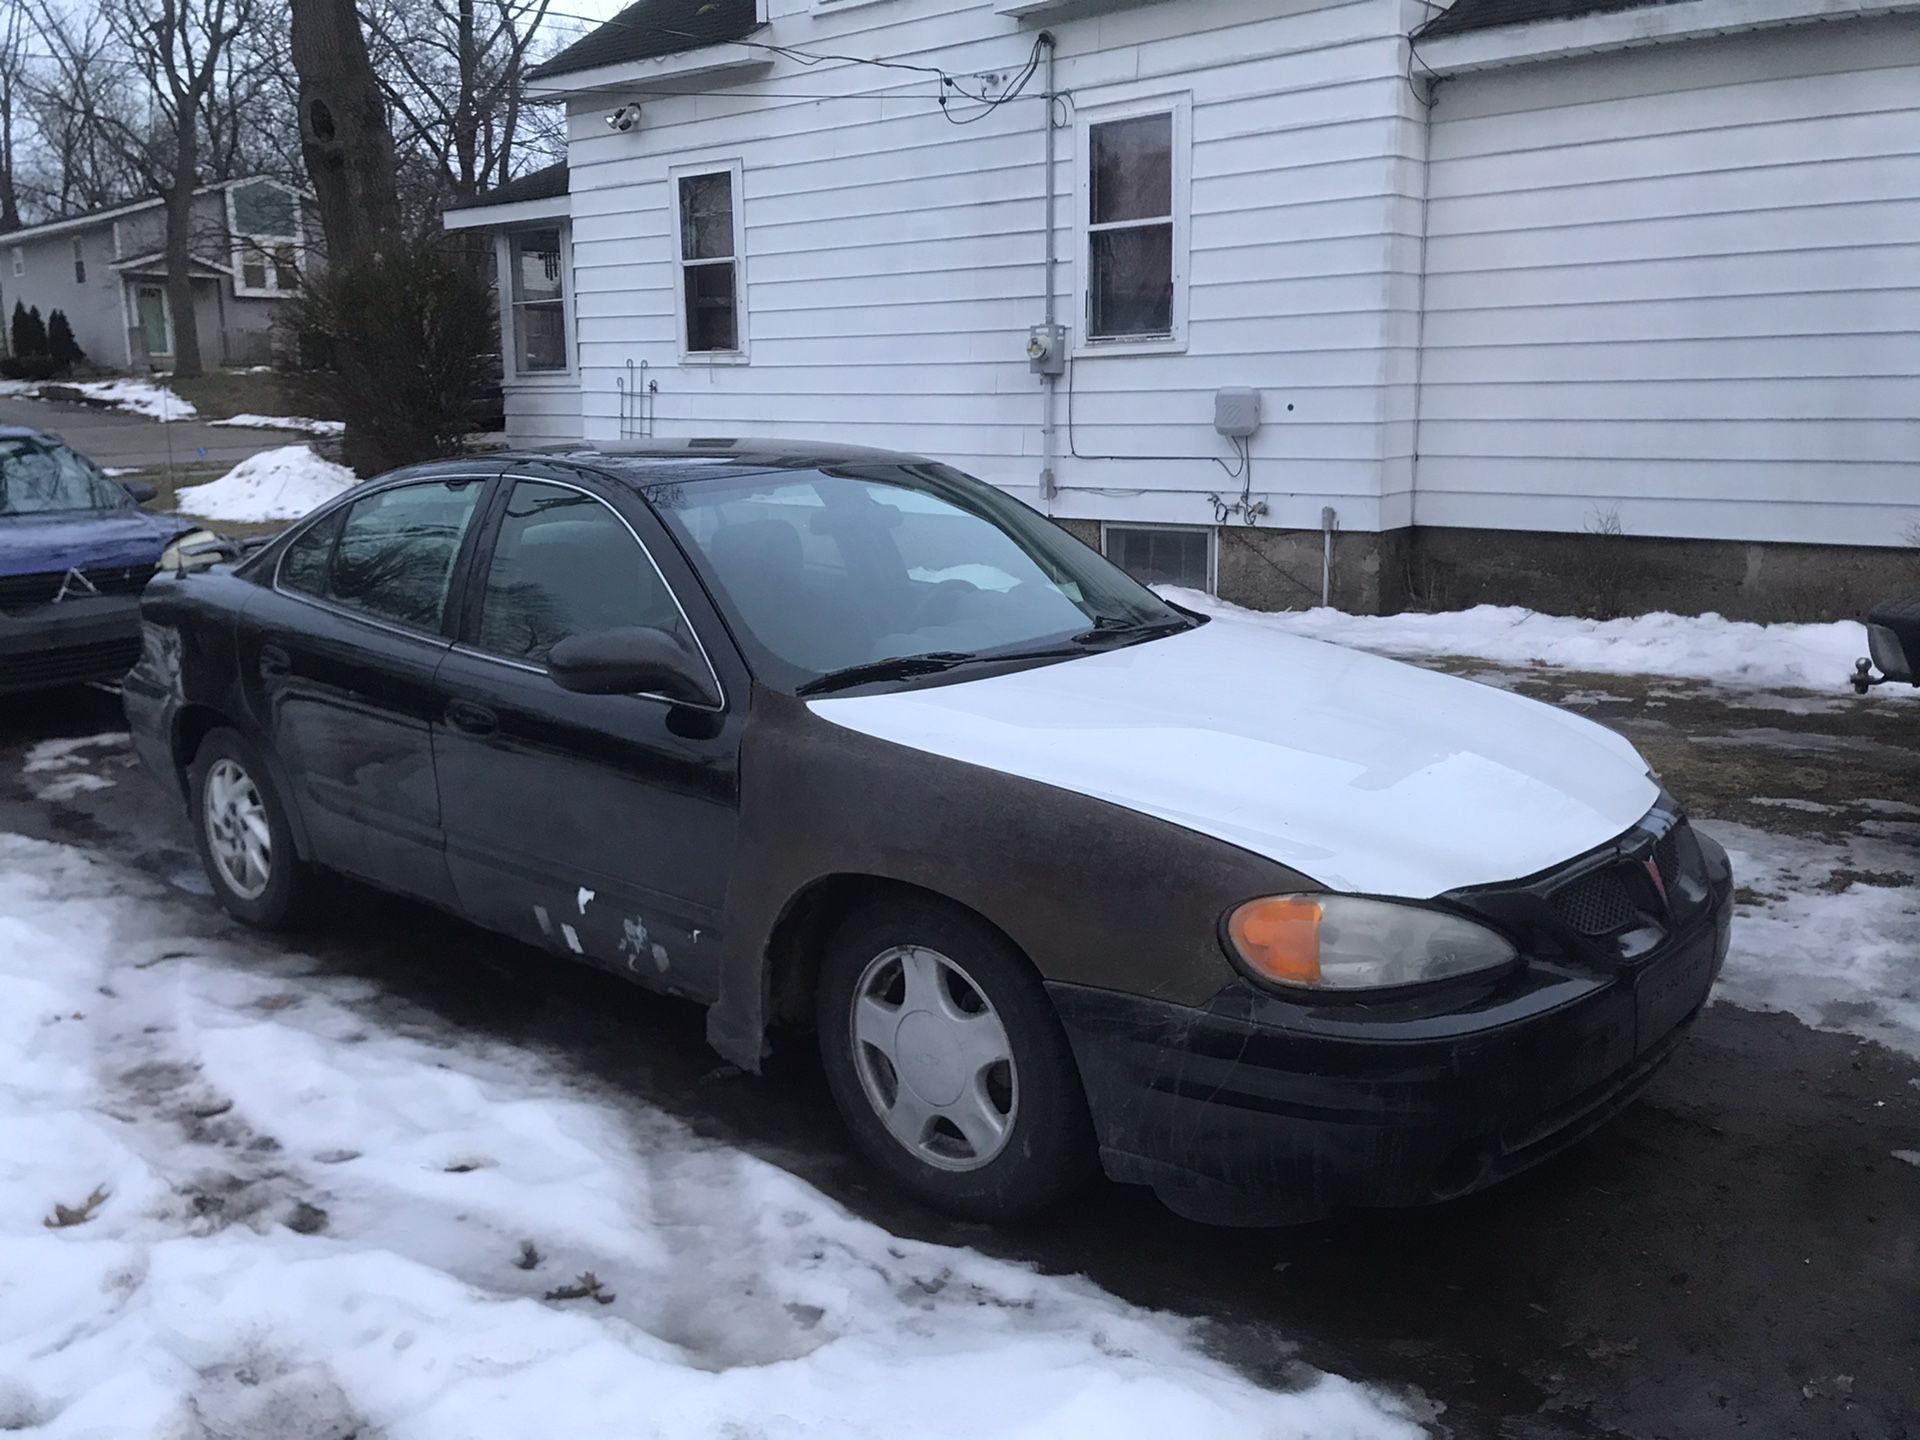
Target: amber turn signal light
(1279,938)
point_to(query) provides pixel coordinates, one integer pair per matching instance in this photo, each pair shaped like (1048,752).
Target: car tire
(232,799)
(923,1063)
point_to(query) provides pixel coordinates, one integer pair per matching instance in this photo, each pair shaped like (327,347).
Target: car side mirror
(139,490)
(632,661)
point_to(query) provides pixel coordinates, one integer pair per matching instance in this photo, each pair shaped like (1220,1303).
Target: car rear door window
(565,564)
(390,556)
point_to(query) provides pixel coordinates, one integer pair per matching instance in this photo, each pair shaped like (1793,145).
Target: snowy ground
(138,397)
(280,484)
(241,1196)
(1705,648)
(285,422)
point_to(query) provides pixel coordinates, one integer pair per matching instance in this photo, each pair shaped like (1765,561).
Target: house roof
(546,183)
(1487,14)
(124,207)
(648,28)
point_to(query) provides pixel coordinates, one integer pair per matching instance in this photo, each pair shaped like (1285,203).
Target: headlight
(1340,942)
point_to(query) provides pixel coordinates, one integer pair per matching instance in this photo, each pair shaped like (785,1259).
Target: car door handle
(275,663)
(473,719)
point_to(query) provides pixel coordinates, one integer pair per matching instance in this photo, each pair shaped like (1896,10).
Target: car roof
(654,461)
(24,432)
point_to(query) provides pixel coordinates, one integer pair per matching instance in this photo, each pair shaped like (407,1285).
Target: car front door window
(565,564)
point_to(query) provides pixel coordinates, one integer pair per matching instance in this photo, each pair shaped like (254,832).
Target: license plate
(1670,990)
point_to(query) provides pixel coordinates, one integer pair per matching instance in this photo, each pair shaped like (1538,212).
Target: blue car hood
(36,544)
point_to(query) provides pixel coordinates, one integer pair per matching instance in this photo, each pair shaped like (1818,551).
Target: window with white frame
(709,245)
(1162,554)
(264,220)
(537,261)
(79,261)
(1134,219)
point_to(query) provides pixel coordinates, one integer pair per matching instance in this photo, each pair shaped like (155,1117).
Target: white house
(1535,299)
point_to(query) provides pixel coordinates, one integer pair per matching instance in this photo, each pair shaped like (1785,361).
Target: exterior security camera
(624,118)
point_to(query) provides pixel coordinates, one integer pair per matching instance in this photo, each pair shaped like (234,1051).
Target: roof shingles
(1487,14)
(648,28)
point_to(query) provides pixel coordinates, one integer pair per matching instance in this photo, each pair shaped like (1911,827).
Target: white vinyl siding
(894,260)
(1680,286)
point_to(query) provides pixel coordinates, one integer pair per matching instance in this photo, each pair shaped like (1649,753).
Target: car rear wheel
(245,843)
(949,1064)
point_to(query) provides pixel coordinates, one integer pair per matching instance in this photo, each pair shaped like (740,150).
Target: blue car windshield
(44,477)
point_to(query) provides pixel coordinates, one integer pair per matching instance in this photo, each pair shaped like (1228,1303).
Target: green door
(150,303)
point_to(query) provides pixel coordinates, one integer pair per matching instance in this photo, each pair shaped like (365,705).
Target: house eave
(514,212)
(629,75)
(1680,20)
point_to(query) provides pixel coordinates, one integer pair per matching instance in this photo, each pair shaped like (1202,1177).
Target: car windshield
(824,575)
(44,477)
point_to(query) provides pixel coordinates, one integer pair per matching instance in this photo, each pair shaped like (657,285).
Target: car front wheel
(949,1064)
(241,830)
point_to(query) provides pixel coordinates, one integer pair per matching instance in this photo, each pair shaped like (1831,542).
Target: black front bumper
(69,643)
(1256,1109)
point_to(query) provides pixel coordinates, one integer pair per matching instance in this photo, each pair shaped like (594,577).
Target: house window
(539,301)
(19,261)
(79,261)
(1162,554)
(253,269)
(1134,212)
(286,268)
(711,239)
(263,217)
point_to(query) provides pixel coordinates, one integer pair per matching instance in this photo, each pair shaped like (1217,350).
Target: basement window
(710,248)
(1162,554)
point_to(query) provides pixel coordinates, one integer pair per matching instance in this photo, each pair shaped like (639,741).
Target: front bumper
(1258,1110)
(69,643)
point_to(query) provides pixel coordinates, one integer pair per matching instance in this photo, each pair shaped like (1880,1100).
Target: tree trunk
(344,138)
(186,334)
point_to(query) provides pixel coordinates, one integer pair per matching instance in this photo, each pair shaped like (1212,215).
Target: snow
(308,1202)
(57,770)
(285,422)
(1825,932)
(1680,647)
(138,397)
(280,484)
(1911,1157)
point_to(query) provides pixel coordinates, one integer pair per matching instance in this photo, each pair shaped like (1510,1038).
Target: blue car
(76,550)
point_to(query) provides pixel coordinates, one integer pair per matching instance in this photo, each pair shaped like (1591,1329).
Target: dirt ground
(1736,1255)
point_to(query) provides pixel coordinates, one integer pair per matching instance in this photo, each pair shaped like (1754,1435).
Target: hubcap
(238,834)
(933,1058)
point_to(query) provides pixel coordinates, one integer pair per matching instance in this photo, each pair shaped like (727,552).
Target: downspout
(1049,440)
(1420,291)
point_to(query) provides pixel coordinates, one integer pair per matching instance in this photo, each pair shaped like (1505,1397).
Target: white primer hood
(1366,774)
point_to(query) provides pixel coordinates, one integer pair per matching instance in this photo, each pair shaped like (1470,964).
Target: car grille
(1620,896)
(1597,903)
(21,591)
(103,660)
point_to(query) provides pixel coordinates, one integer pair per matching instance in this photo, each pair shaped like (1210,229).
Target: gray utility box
(1236,412)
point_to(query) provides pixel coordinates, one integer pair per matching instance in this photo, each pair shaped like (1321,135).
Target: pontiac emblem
(73,578)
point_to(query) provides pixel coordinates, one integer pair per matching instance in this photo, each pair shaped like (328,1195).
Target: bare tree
(13,81)
(178,48)
(454,72)
(81,110)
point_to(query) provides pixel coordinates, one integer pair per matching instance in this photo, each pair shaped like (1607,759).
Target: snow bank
(285,422)
(281,484)
(1825,931)
(138,397)
(1686,647)
(299,1209)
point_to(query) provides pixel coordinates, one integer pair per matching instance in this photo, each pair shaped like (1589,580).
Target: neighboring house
(1539,298)
(108,272)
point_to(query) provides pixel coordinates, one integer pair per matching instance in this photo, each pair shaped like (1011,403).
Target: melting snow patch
(138,397)
(285,422)
(290,1209)
(57,770)
(1691,647)
(1824,931)
(1912,1157)
(281,484)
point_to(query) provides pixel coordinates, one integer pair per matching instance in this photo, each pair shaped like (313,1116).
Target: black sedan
(1060,874)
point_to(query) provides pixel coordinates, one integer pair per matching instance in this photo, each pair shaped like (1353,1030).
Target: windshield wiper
(1111,629)
(896,667)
